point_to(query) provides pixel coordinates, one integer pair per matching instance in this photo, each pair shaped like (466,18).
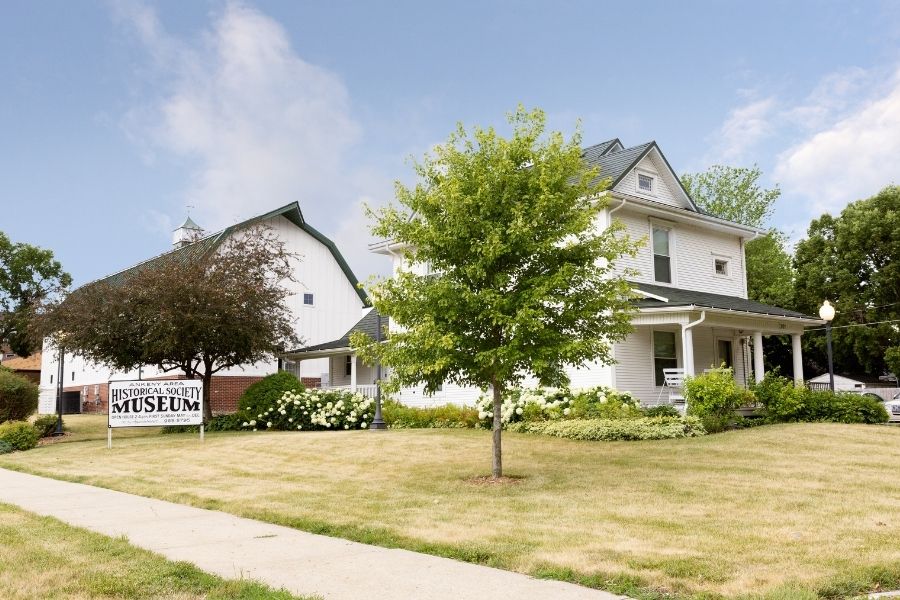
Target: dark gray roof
(679,297)
(616,164)
(592,153)
(204,246)
(368,325)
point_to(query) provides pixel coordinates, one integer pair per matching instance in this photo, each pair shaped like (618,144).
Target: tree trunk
(497,463)
(207,392)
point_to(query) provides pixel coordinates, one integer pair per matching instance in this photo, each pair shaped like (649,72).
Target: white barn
(326,300)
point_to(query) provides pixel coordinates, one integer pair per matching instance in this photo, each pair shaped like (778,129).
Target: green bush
(46,425)
(18,397)
(549,404)
(217,423)
(6,447)
(642,428)
(713,397)
(448,416)
(21,435)
(782,401)
(604,403)
(661,410)
(265,393)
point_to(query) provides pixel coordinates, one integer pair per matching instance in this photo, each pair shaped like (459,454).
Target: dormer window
(645,183)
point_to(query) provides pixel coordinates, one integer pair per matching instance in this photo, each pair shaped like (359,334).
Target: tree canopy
(853,260)
(509,274)
(29,277)
(223,309)
(732,193)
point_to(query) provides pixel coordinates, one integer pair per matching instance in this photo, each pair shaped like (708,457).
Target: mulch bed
(488,480)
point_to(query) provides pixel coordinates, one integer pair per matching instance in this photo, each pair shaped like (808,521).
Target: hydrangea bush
(314,409)
(549,404)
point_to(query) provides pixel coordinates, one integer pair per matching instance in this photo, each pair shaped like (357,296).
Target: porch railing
(367,390)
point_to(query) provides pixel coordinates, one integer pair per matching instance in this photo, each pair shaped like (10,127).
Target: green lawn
(42,558)
(788,511)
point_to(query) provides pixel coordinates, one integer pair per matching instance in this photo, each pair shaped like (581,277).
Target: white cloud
(746,126)
(850,158)
(256,125)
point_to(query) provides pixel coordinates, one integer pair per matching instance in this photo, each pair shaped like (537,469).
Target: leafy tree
(519,279)
(732,193)
(222,309)
(29,276)
(853,260)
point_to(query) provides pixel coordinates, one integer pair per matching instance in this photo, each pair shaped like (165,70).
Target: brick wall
(224,393)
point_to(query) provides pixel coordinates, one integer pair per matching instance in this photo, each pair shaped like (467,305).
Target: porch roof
(368,325)
(661,296)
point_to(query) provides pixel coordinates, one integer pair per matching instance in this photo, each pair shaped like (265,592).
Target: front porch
(695,332)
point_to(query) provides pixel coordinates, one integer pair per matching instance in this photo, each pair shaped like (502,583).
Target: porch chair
(674,382)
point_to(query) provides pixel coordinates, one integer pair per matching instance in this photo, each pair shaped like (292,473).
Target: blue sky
(117,116)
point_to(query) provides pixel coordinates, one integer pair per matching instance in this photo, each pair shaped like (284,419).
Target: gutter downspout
(687,347)
(615,209)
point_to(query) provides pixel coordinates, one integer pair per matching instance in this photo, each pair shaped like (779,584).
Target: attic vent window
(721,267)
(645,183)
(308,299)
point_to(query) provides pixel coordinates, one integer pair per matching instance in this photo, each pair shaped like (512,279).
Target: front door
(724,353)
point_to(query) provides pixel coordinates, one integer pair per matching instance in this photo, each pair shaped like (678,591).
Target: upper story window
(645,183)
(721,267)
(662,258)
(308,299)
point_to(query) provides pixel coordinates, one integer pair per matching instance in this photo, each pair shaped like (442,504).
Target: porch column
(353,372)
(796,353)
(758,369)
(687,351)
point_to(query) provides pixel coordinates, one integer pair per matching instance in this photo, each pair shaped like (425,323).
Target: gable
(665,186)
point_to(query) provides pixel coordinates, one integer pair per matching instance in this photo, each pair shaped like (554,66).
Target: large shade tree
(29,278)
(194,311)
(853,260)
(513,277)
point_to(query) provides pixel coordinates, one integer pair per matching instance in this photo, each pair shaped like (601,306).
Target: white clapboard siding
(634,368)
(694,250)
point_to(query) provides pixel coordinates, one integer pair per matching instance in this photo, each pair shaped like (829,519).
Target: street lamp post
(378,422)
(826,311)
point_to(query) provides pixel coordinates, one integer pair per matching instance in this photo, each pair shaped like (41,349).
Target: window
(663,354)
(721,267)
(51,379)
(724,355)
(662,260)
(645,183)
(308,299)
(348,365)
(73,375)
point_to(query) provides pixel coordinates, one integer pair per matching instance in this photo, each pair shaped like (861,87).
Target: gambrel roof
(201,248)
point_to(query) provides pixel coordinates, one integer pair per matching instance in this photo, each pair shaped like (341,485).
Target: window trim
(678,363)
(725,259)
(654,177)
(673,271)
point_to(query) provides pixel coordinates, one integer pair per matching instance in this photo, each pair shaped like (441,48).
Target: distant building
(29,367)
(326,301)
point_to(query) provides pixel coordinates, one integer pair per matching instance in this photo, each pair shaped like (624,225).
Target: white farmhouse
(693,313)
(326,300)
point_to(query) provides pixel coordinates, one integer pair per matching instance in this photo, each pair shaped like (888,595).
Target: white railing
(366,390)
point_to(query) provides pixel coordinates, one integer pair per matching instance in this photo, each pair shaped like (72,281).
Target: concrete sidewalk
(303,563)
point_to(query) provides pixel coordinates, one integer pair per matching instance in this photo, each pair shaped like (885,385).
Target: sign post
(154,404)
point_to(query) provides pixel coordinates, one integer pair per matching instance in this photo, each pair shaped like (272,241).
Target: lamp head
(826,311)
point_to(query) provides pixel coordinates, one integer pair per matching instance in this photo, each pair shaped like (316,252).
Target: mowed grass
(43,558)
(787,511)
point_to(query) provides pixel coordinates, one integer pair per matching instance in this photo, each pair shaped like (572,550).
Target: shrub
(314,409)
(21,435)
(782,401)
(267,392)
(714,396)
(18,397)
(662,410)
(549,404)
(217,423)
(399,416)
(46,425)
(604,403)
(6,447)
(642,428)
